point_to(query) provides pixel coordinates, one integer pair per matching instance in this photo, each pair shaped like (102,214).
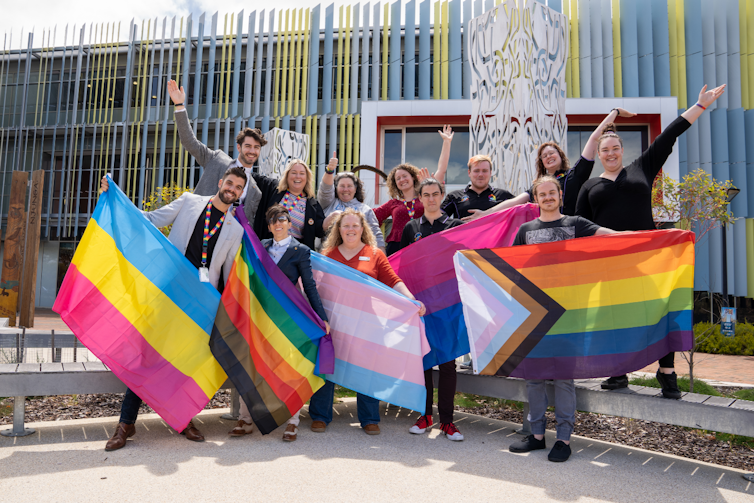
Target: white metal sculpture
(281,147)
(518,55)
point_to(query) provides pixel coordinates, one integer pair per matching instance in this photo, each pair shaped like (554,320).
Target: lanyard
(209,233)
(288,202)
(411,211)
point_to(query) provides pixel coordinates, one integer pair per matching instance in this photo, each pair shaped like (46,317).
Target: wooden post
(31,255)
(13,252)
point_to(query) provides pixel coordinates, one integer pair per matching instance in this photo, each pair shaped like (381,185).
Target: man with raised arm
(552,226)
(249,143)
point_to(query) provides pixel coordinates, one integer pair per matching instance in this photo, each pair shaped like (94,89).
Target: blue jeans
(320,406)
(129,409)
(565,406)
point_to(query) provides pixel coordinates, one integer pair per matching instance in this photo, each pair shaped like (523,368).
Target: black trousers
(446,391)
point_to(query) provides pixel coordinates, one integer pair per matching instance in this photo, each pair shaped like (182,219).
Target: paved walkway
(66,461)
(725,368)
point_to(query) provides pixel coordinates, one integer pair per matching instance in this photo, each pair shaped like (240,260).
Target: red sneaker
(451,431)
(421,425)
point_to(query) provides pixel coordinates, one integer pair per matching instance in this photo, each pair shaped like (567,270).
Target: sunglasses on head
(279,218)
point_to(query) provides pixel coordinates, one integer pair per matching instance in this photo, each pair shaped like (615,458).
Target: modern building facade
(371,81)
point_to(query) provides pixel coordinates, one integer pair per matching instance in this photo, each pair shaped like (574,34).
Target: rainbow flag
(137,303)
(427,269)
(266,336)
(580,308)
(378,335)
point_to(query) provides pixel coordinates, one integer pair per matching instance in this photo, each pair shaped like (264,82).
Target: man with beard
(209,236)
(249,143)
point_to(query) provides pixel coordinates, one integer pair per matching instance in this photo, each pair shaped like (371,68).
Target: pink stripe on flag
(109,335)
(378,358)
(500,315)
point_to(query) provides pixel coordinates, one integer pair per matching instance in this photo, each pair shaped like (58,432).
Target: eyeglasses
(548,154)
(280,218)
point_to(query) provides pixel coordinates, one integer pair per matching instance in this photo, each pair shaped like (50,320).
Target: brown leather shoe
(241,429)
(122,432)
(192,433)
(319,426)
(290,433)
(372,429)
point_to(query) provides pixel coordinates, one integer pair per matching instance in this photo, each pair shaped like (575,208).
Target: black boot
(616,382)
(669,383)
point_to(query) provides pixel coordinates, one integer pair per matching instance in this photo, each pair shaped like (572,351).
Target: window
(635,141)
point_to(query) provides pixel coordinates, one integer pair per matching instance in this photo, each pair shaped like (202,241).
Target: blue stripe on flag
(447,335)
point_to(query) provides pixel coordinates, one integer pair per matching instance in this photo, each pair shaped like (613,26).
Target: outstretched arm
(590,149)
(201,153)
(403,289)
(442,164)
(522,198)
(706,98)
(326,192)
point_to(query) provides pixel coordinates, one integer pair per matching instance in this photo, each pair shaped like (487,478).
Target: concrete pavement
(66,461)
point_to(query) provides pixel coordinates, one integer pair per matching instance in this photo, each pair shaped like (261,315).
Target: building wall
(90,104)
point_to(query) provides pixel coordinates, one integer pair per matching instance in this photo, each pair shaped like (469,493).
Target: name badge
(204,275)
(364,259)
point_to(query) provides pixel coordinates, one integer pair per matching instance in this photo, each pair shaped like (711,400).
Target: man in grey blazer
(249,143)
(223,233)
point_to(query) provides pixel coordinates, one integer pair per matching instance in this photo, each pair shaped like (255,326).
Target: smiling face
(611,154)
(480,175)
(298,178)
(431,197)
(551,160)
(351,230)
(403,180)
(279,226)
(231,188)
(248,151)
(548,196)
(346,189)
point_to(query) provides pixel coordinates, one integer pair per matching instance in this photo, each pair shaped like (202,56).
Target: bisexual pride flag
(137,303)
(580,308)
(427,269)
(266,336)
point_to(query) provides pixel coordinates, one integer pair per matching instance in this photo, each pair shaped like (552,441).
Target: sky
(20,18)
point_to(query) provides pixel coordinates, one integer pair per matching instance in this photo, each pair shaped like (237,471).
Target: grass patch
(745,394)
(700,386)
(341,392)
(470,401)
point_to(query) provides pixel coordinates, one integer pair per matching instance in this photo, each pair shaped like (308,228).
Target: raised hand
(104,184)
(333,164)
(446,133)
(423,173)
(177,96)
(706,98)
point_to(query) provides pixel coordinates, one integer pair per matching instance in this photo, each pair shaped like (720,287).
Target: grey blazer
(214,162)
(183,214)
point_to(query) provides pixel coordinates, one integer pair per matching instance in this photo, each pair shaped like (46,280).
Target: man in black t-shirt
(188,216)
(552,226)
(433,221)
(478,194)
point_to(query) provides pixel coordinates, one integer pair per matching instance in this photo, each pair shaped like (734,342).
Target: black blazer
(314,216)
(295,263)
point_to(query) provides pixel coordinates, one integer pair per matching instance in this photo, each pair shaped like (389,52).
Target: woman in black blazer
(295,192)
(292,258)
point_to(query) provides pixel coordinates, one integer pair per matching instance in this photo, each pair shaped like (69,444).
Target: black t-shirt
(458,203)
(419,228)
(537,231)
(626,203)
(194,248)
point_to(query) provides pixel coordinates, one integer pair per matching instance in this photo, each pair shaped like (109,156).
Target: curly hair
(308,187)
(610,131)
(392,188)
(565,165)
(359,196)
(334,239)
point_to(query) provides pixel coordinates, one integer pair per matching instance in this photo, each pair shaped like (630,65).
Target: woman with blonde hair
(352,243)
(295,192)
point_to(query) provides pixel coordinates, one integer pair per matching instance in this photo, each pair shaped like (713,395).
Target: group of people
(288,216)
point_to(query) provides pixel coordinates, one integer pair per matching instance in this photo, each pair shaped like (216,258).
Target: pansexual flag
(266,336)
(427,269)
(580,308)
(378,335)
(138,305)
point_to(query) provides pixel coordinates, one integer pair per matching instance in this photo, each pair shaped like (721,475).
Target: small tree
(162,196)
(697,203)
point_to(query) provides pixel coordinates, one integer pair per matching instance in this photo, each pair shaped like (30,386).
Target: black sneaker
(669,383)
(528,444)
(560,452)
(615,382)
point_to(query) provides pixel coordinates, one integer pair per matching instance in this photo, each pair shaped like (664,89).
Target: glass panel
(423,147)
(392,157)
(633,145)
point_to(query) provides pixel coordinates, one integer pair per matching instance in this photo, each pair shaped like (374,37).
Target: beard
(227,197)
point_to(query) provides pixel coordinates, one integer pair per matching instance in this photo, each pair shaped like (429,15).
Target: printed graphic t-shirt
(537,231)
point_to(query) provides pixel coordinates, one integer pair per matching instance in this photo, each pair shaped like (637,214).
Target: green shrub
(716,343)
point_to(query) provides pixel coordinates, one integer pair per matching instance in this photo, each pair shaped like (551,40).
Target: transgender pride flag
(378,335)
